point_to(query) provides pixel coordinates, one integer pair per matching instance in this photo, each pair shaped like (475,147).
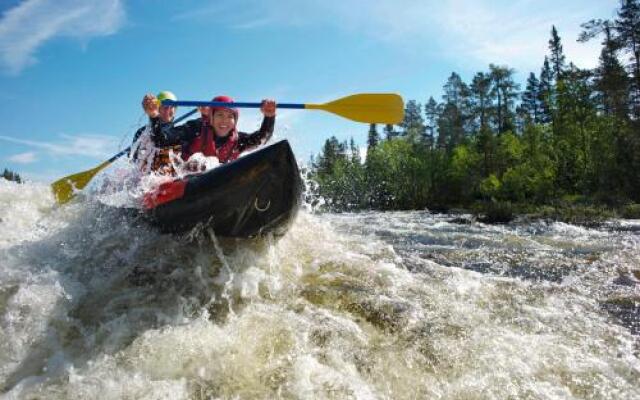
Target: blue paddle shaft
(223,104)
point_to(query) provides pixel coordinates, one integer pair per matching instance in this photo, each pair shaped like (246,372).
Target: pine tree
(531,100)
(373,138)
(446,126)
(505,90)
(432,111)
(546,93)
(389,132)
(611,80)
(557,55)
(455,113)
(627,26)
(578,112)
(558,104)
(628,29)
(614,142)
(413,123)
(481,99)
(355,151)
(522,118)
(332,151)
(622,34)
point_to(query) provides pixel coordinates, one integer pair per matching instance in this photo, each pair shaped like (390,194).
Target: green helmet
(166,95)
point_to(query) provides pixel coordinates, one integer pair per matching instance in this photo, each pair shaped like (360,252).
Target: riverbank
(564,211)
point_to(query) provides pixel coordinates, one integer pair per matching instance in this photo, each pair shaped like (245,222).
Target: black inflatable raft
(256,194)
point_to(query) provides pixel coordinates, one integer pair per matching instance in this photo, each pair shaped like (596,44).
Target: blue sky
(72,72)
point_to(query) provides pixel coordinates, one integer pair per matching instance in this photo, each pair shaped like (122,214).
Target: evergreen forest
(566,136)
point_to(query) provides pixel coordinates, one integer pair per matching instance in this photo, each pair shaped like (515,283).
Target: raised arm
(248,141)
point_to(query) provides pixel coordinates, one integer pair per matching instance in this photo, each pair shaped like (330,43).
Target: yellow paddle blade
(64,188)
(372,108)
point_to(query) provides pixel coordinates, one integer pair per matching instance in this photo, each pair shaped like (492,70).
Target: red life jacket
(205,143)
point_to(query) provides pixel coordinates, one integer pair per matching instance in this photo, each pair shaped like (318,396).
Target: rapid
(400,305)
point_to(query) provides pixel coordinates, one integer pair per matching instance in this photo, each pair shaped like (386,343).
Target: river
(398,305)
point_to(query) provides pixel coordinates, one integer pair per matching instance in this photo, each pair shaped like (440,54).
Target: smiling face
(223,122)
(166,113)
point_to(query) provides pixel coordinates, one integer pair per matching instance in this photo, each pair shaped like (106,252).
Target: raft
(256,194)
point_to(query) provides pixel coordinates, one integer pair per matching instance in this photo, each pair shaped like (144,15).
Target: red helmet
(225,99)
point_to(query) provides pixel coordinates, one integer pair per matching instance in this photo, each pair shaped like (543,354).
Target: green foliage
(516,183)
(373,138)
(509,151)
(574,214)
(490,187)
(465,171)
(531,103)
(505,91)
(340,175)
(631,211)
(397,178)
(413,123)
(572,141)
(557,55)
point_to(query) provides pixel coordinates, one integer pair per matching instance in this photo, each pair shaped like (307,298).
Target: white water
(404,305)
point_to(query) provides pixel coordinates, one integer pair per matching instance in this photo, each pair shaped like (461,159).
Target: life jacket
(205,143)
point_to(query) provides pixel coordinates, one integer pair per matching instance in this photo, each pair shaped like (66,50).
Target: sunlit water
(408,305)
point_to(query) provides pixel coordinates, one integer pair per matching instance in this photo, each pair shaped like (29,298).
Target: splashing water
(95,304)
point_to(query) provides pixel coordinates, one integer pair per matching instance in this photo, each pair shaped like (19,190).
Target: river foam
(95,304)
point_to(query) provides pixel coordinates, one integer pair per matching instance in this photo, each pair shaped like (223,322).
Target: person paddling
(150,151)
(218,136)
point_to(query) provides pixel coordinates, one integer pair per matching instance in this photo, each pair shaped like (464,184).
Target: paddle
(373,108)
(64,188)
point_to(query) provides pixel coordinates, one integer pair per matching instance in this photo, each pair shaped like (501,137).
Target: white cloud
(517,33)
(94,146)
(511,32)
(25,27)
(23,158)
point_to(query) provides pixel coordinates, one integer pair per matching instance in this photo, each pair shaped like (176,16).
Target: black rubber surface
(253,195)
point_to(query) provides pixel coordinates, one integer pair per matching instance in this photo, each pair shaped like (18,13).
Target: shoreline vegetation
(573,213)
(565,148)
(11,176)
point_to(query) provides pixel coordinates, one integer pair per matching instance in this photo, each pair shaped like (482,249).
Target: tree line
(570,133)
(11,176)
